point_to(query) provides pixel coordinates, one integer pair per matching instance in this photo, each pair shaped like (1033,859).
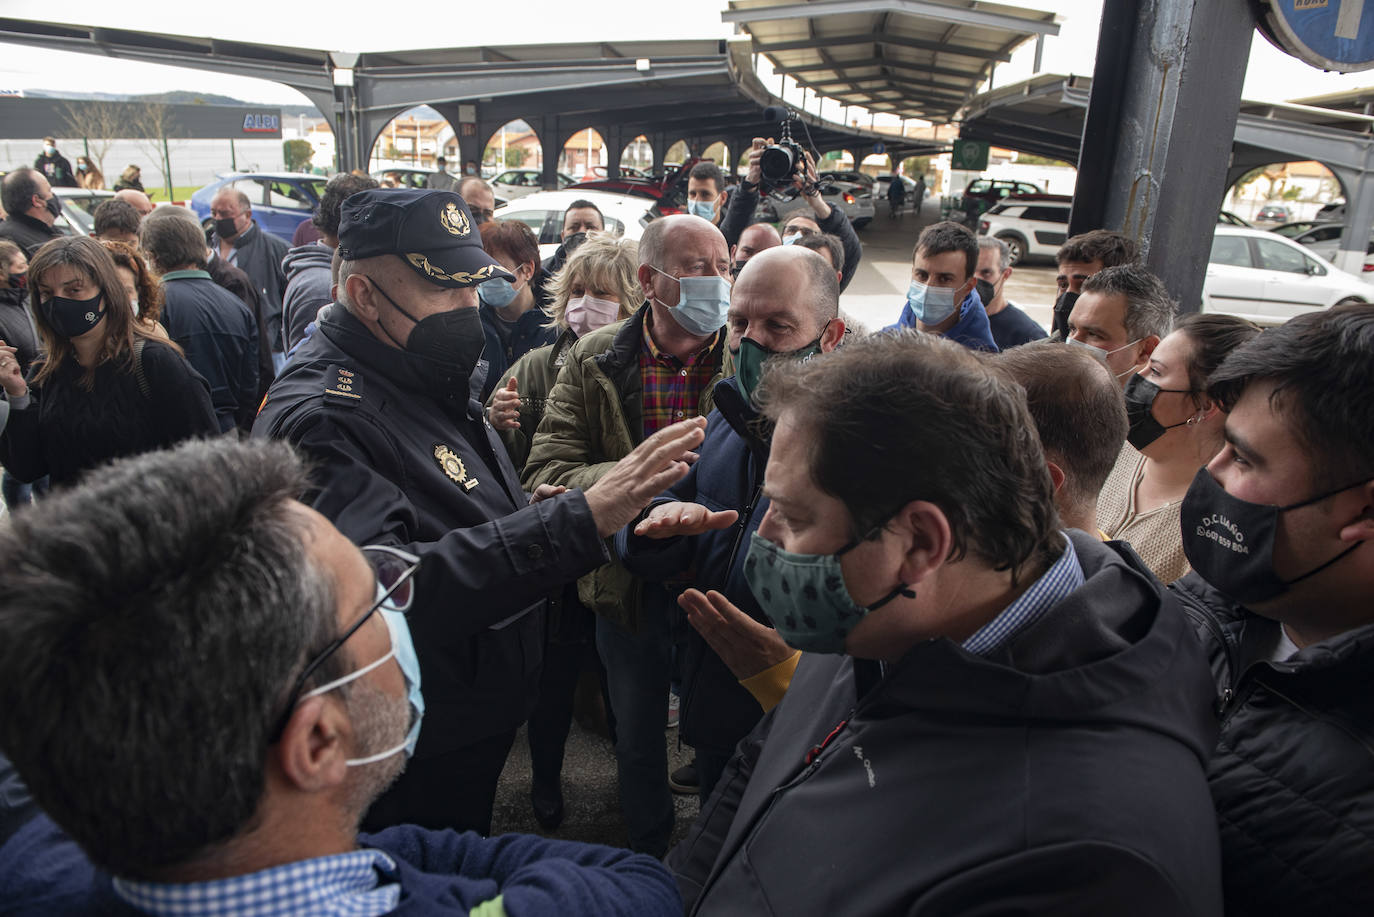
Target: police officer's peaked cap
(432,231)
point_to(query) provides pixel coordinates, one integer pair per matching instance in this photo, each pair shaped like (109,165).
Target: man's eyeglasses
(394,570)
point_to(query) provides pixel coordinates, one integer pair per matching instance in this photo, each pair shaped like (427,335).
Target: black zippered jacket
(1293,774)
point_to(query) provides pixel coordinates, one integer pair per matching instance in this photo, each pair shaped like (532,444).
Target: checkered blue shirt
(342,885)
(1063,577)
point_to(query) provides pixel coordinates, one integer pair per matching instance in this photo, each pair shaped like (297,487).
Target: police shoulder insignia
(453,466)
(343,386)
(454,220)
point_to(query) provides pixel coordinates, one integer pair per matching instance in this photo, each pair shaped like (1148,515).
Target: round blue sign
(879,147)
(1330,34)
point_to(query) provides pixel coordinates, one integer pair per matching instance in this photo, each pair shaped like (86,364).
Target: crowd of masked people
(964,618)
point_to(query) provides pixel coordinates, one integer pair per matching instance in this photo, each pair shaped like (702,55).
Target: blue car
(281,200)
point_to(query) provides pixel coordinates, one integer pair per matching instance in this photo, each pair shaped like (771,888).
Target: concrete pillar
(1359,216)
(550,139)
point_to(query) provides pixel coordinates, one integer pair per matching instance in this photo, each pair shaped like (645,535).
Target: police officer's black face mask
(442,348)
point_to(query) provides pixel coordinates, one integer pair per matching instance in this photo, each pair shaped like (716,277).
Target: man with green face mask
(784,306)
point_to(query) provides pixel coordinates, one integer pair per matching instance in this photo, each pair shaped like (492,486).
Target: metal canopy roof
(913,58)
(697,90)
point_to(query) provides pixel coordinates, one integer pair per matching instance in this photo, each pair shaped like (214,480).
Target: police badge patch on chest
(453,466)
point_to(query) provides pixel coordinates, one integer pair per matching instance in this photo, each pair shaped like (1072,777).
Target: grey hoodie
(307,289)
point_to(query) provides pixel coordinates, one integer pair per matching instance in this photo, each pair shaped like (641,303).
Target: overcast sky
(1272,75)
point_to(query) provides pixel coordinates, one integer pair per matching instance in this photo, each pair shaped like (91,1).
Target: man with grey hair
(784,307)
(1121,316)
(238,240)
(620,384)
(206,685)
(217,332)
(1010,326)
(380,398)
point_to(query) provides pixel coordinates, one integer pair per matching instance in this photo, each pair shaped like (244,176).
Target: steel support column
(1157,138)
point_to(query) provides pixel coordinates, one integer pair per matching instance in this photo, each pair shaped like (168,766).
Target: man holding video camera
(741,205)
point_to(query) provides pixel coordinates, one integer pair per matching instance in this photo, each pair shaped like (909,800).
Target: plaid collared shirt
(672,389)
(1063,577)
(342,885)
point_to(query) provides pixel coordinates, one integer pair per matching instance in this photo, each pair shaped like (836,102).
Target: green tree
(297,154)
(915,166)
(1034,160)
(516,156)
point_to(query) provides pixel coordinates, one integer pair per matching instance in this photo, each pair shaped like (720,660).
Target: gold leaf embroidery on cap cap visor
(420,261)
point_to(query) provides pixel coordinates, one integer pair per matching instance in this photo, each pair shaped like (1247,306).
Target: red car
(668,188)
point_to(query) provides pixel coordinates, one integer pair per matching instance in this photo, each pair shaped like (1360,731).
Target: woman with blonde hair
(88,175)
(132,177)
(105,386)
(595,287)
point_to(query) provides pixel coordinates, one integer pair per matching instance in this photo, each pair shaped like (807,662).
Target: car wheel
(1016,244)
(1352,301)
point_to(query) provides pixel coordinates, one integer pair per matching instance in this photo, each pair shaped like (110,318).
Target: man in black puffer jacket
(1277,529)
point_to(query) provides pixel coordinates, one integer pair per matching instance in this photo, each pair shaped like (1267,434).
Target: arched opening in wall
(1278,193)
(514,157)
(677,154)
(638,156)
(405,152)
(584,155)
(718,153)
(876,164)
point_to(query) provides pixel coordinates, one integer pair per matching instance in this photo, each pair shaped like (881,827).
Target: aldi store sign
(261,124)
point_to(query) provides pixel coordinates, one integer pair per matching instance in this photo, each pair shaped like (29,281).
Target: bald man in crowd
(754,239)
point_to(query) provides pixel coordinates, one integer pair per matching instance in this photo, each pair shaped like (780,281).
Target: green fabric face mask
(751,357)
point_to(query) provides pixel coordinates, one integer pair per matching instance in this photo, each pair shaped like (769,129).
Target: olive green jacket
(594,416)
(534,375)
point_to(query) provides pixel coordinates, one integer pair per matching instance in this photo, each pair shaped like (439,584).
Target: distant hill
(178,97)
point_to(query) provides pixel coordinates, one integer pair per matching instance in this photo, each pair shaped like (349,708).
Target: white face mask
(1103,353)
(133,301)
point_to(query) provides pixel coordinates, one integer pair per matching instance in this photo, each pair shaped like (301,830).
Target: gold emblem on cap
(419,260)
(454,220)
(453,466)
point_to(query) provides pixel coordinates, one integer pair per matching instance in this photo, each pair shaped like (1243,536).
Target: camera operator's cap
(432,231)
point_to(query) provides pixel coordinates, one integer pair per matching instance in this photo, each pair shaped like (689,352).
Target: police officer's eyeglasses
(394,570)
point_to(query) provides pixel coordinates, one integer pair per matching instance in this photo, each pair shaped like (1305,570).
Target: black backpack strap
(138,369)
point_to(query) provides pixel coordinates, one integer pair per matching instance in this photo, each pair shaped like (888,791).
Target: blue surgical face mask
(702,303)
(930,305)
(704,209)
(403,649)
(805,595)
(791,238)
(498,292)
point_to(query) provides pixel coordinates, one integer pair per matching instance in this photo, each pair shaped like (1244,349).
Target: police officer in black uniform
(380,399)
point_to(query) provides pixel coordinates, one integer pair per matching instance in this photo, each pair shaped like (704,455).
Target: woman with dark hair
(512,316)
(106,386)
(1175,430)
(145,293)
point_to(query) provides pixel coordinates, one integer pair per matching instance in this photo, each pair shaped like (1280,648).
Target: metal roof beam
(826,88)
(919,8)
(875,62)
(878,38)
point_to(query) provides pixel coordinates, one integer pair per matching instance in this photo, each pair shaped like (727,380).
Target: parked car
(281,200)
(667,187)
(626,215)
(514,183)
(1325,240)
(596,172)
(883,180)
(975,200)
(406,178)
(1273,213)
(1269,279)
(849,175)
(1033,226)
(854,200)
(78,209)
(1332,211)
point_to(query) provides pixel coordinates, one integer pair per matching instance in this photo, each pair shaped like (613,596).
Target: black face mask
(1230,542)
(1062,307)
(72,317)
(226,228)
(54,206)
(736,267)
(19,281)
(443,348)
(1140,400)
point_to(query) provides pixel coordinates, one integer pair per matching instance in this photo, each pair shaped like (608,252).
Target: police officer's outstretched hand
(655,465)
